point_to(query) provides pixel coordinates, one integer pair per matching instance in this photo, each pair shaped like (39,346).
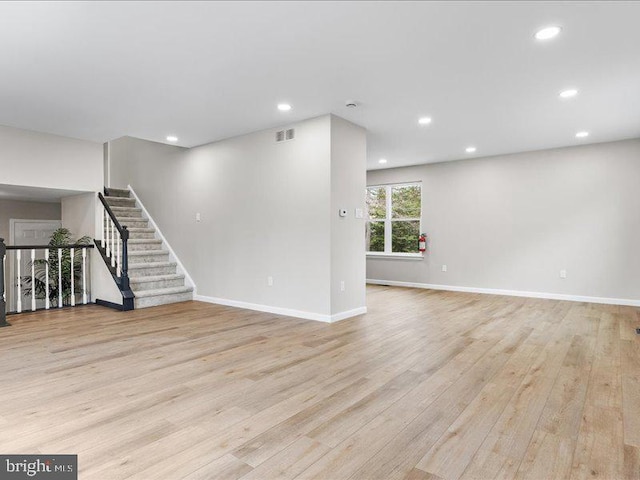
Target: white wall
(513,222)
(348,182)
(79,216)
(36,159)
(266,210)
(25,210)
(42,160)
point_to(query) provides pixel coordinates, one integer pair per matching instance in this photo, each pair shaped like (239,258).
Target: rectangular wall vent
(284,135)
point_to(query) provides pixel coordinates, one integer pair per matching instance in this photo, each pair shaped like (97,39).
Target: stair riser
(140,247)
(121,202)
(149,271)
(162,300)
(141,286)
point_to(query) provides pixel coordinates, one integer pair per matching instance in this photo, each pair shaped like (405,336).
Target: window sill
(396,256)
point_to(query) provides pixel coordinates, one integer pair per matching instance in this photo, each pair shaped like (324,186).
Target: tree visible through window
(393,218)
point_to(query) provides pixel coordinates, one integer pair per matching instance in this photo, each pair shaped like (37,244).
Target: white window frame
(388,221)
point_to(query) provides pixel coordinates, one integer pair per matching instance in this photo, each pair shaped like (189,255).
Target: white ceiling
(210,70)
(35,194)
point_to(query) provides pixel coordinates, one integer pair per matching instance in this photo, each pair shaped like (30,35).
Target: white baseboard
(336,317)
(512,293)
(319,317)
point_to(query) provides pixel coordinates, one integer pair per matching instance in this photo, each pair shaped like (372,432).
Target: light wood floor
(428,385)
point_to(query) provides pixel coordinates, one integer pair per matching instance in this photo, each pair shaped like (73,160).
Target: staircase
(152,275)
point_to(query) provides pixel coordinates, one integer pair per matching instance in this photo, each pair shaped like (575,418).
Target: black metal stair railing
(114,250)
(50,280)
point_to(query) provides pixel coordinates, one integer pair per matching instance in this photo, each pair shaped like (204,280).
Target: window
(393,218)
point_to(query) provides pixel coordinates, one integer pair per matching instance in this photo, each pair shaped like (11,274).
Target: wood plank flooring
(427,385)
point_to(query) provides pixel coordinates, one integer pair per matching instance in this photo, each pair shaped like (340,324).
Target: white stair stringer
(156,275)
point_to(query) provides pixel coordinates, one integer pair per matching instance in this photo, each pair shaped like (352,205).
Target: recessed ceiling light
(582,134)
(470,149)
(424,120)
(571,92)
(172,138)
(284,107)
(382,160)
(547,33)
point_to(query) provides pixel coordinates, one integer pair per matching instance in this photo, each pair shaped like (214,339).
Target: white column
(84,276)
(104,226)
(19,297)
(113,241)
(107,221)
(47,304)
(59,278)
(73,286)
(33,280)
(118,259)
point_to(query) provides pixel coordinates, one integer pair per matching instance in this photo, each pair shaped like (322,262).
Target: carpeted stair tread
(144,240)
(163,291)
(117,192)
(151,264)
(155,278)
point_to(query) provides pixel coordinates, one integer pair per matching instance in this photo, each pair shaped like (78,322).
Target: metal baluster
(59,278)
(47,303)
(19,299)
(84,276)
(73,290)
(33,279)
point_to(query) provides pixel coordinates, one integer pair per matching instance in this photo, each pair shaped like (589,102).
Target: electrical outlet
(444,268)
(270,281)
(342,286)
(563,274)
(198,217)
(359,213)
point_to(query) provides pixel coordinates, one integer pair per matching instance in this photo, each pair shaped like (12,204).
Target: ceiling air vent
(284,135)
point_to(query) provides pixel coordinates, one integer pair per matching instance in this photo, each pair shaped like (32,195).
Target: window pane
(405,201)
(375,236)
(376,202)
(404,236)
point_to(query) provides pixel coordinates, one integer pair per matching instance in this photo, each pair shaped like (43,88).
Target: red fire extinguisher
(422,242)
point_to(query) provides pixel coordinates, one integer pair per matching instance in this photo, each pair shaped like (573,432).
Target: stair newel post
(125,258)
(3,303)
